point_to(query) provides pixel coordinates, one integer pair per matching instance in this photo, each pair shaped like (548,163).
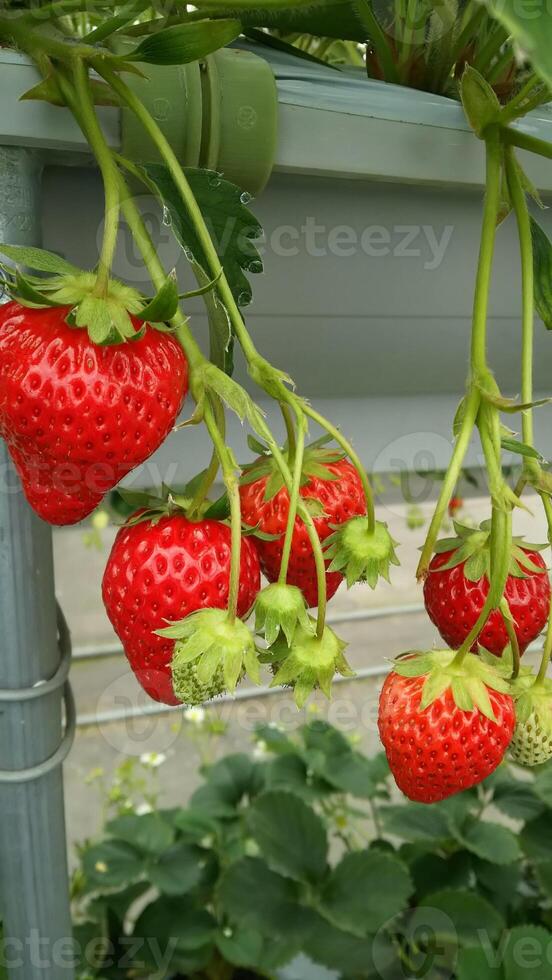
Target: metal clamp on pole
(40,690)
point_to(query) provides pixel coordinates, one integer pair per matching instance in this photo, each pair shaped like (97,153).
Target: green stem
(290,431)
(525,142)
(471,409)
(521,211)
(303,513)
(232,486)
(547,652)
(293,499)
(109,174)
(355,459)
(500,562)
(505,610)
(185,191)
(486,254)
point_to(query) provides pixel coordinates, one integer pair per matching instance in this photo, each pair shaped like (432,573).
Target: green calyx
(107,316)
(210,641)
(532,741)
(473,547)
(316,461)
(279,609)
(309,662)
(359,554)
(469,682)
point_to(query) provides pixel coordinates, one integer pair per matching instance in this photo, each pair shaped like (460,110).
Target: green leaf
(178,869)
(178,928)
(416,822)
(500,884)
(339,950)
(532,34)
(164,304)
(491,842)
(290,835)
(542,265)
(365,890)
(518,800)
(543,785)
(474,963)
(274,908)
(231,224)
(479,100)
(526,953)
(458,917)
(544,876)
(536,839)
(476,566)
(148,832)
(431,872)
(112,864)
(185,43)
(521,448)
(38,259)
(234,396)
(227,783)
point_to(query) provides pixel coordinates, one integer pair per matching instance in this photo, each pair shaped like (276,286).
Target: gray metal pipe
(34,902)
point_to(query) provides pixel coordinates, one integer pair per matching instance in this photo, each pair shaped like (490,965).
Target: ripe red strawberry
(334,488)
(162,570)
(457,585)
(441,739)
(455,504)
(76,416)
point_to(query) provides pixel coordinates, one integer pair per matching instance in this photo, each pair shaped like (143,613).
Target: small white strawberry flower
(195,715)
(260,752)
(142,809)
(153,759)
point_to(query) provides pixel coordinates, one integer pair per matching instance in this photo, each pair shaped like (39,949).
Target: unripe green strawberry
(532,741)
(193,691)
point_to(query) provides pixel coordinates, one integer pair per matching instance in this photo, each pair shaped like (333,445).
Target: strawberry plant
(306,851)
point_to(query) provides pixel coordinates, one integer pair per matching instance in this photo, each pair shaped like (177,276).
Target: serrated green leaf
(491,842)
(526,953)
(458,917)
(178,869)
(38,259)
(232,225)
(292,838)
(185,43)
(112,863)
(350,900)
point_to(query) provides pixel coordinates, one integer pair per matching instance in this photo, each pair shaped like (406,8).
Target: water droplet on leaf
(245,198)
(167,217)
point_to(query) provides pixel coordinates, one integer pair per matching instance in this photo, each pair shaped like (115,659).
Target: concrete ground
(106,685)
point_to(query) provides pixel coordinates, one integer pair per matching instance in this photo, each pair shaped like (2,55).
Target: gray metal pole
(34,903)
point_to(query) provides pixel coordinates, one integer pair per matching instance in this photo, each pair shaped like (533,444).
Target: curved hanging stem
(108,171)
(293,501)
(353,456)
(290,430)
(231,483)
(547,652)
